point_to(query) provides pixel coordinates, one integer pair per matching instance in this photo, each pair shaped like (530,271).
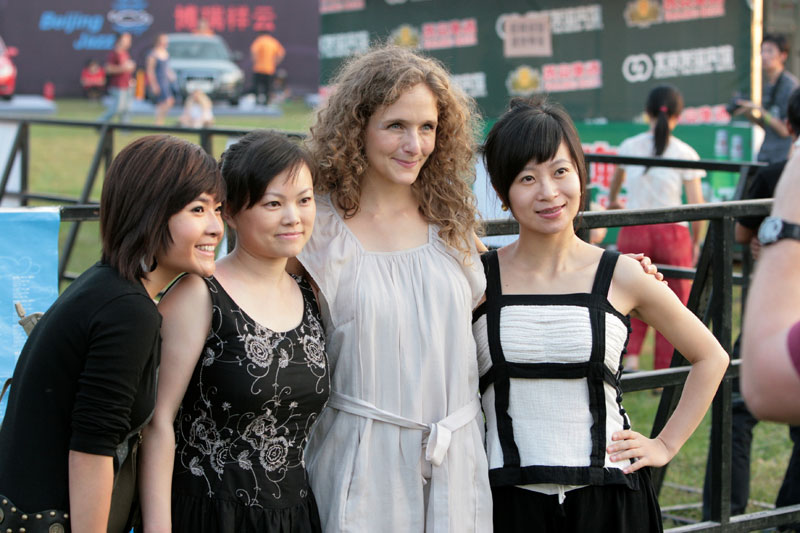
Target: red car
(8,72)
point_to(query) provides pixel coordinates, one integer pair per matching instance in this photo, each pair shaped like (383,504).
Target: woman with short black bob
(243,373)
(85,381)
(550,336)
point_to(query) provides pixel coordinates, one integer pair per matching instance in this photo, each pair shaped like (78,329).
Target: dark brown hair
(530,130)
(150,180)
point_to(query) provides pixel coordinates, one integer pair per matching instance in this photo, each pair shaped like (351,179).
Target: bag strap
(6,385)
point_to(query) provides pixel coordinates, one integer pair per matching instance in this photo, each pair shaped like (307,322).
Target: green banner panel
(598,59)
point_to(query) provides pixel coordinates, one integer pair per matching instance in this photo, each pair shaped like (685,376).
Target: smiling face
(545,197)
(196,231)
(401,136)
(280,224)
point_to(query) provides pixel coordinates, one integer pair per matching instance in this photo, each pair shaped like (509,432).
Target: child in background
(197,111)
(93,80)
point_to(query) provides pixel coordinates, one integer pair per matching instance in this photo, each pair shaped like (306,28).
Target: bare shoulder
(631,285)
(629,274)
(189,292)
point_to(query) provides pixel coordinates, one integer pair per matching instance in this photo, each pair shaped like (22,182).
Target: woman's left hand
(648,266)
(629,444)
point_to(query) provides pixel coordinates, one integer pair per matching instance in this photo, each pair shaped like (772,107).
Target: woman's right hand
(629,444)
(615,204)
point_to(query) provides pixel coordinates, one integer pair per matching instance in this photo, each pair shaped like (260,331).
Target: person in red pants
(654,187)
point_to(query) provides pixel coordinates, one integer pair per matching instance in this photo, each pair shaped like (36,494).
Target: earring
(504,207)
(144,266)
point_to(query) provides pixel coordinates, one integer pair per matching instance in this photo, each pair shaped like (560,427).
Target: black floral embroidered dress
(244,421)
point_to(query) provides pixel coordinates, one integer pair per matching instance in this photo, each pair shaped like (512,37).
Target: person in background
(161,78)
(550,337)
(85,382)
(119,70)
(777,85)
(762,185)
(267,53)
(197,111)
(93,80)
(771,331)
(651,187)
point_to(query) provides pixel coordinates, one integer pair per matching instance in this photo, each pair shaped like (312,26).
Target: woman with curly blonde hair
(398,446)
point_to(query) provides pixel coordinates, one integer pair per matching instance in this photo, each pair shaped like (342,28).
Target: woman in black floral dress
(244,372)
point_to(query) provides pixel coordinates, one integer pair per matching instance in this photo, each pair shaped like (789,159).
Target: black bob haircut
(530,130)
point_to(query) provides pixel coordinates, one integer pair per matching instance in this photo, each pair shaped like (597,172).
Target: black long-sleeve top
(84,379)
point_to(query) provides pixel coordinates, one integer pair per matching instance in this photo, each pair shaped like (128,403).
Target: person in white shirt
(652,187)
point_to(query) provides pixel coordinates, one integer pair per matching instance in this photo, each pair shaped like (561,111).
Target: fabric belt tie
(439,433)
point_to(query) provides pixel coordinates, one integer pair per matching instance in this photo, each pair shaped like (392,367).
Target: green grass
(59,163)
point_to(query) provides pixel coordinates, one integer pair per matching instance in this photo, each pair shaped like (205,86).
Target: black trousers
(262,83)
(610,508)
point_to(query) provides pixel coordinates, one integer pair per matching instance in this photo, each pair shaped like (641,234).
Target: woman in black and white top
(550,336)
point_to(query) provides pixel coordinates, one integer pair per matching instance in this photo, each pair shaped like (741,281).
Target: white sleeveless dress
(399,445)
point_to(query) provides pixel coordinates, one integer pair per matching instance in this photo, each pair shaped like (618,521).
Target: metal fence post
(24,147)
(721,313)
(12,156)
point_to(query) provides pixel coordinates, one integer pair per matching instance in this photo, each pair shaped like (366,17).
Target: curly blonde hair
(376,79)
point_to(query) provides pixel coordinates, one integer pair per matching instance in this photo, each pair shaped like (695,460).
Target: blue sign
(28,275)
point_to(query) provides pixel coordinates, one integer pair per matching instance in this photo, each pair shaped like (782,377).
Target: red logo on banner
(449,34)
(222,18)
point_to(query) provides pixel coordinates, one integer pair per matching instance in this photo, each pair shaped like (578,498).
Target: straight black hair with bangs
(530,130)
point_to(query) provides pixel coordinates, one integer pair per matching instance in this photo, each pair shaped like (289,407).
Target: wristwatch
(774,229)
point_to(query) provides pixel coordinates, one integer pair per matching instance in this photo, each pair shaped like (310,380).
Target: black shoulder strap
(499,370)
(491,267)
(605,271)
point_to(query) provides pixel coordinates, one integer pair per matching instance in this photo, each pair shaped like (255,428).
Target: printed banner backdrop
(598,59)
(56,38)
(28,275)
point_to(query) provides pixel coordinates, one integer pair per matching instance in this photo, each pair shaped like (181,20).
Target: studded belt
(15,520)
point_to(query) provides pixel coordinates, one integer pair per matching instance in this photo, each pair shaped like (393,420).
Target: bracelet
(766,118)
